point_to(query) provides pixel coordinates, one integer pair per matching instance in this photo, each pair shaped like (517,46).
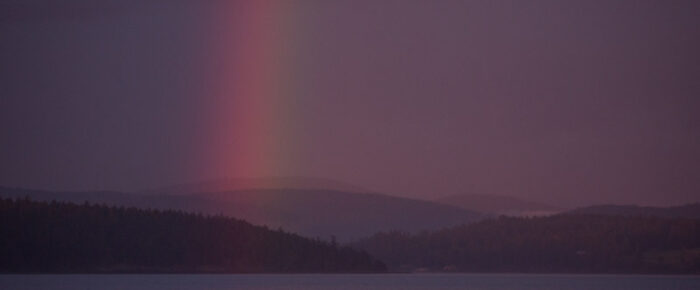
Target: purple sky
(570,102)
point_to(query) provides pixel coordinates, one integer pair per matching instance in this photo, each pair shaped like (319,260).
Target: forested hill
(53,237)
(313,213)
(561,243)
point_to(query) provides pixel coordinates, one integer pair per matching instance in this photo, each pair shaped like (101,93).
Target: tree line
(563,243)
(59,237)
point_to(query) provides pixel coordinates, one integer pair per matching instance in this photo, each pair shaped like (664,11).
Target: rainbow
(252,76)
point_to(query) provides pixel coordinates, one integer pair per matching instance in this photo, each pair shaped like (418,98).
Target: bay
(348,281)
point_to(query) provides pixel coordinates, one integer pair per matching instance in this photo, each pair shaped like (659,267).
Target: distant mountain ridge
(499,204)
(682,211)
(313,213)
(235,184)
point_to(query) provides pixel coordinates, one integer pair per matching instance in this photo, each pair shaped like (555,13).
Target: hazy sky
(571,102)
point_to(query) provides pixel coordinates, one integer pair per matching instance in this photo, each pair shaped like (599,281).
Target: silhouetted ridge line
(556,244)
(312,213)
(236,184)
(499,204)
(58,237)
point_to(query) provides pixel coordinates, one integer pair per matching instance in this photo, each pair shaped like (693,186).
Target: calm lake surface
(348,281)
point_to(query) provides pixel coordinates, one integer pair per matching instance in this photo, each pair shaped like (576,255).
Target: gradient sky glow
(571,102)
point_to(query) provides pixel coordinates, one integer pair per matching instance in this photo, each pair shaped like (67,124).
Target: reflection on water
(348,281)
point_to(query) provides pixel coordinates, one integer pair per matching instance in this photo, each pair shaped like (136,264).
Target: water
(349,281)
